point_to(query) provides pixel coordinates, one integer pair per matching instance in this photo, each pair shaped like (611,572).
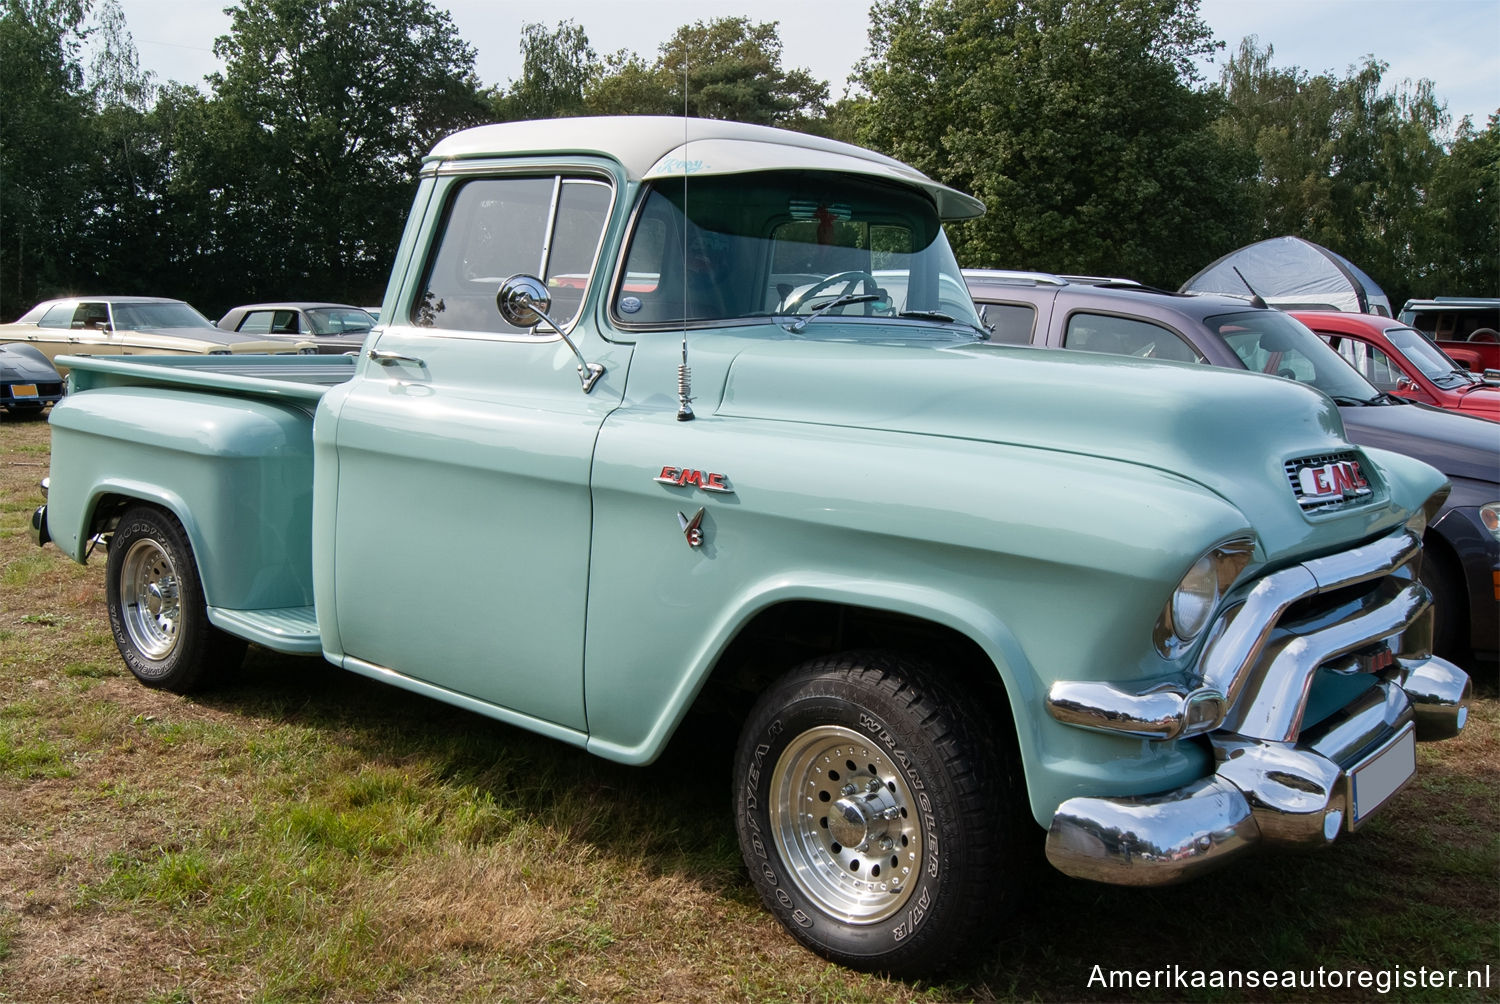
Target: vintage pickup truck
(668,413)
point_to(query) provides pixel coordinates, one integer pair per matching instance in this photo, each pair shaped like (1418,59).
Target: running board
(285,629)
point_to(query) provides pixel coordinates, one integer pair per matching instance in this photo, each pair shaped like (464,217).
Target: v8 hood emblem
(692,529)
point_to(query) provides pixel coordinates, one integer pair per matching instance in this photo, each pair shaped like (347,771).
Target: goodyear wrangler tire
(876,818)
(156,608)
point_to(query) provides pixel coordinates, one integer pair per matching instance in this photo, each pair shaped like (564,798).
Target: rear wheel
(156,608)
(877,820)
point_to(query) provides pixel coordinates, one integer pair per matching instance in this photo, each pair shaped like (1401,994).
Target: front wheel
(156,608)
(879,823)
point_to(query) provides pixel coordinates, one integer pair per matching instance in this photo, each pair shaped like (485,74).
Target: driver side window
(494,228)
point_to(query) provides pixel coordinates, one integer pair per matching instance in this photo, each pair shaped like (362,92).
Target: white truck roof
(663,146)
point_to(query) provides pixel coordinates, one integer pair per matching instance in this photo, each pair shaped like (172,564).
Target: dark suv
(1123,317)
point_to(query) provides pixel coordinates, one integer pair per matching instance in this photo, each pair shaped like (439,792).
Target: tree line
(1085,127)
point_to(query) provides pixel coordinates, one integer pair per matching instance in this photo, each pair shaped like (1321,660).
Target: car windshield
(339,320)
(158,315)
(783,243)
(1268,341)
(1427,357)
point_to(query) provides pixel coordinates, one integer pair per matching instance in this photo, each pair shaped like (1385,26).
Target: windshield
(158,315)
(1427,357)
(338,320)
(1268,341)
(784,243)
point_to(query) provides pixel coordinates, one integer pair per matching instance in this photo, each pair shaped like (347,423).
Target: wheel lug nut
(847,789)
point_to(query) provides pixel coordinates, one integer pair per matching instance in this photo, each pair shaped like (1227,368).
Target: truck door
(462,524)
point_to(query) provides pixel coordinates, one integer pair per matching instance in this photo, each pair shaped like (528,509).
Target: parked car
(1461,543)
(1400,360)
(28,381)
(333,327)
(1465,327)
(128,326)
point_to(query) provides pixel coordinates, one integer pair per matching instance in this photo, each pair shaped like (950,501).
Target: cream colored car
(131,326)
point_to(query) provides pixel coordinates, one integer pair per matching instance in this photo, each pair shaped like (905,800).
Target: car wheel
(1450,620)
(875,816)
(156,608)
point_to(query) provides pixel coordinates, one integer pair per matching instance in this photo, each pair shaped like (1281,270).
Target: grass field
(303,834)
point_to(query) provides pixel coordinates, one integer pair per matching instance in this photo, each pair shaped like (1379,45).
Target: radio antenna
(1256,300)
(684,372)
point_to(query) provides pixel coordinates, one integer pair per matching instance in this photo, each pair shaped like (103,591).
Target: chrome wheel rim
(149,603)
(846,824)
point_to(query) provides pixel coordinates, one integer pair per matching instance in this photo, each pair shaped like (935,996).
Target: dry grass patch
(303,834)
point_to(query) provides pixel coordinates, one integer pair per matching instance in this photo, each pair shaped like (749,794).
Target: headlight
(1489,515)
(1197,596)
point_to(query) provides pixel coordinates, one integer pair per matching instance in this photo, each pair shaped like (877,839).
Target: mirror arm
(522,299)
(588,373)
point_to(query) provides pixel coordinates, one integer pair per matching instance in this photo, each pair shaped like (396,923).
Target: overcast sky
(1453,43)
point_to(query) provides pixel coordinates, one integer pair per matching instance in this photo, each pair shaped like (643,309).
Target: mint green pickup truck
(668,414)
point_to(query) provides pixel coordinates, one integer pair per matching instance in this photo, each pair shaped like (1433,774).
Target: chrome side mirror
(524,301)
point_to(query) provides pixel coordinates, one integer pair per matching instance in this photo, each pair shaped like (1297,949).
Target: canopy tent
(1293,274)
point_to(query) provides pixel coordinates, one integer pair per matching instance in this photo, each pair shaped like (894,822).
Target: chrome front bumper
(1276,783)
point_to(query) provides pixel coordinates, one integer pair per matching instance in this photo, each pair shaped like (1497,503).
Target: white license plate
(1379,777)
(23,390)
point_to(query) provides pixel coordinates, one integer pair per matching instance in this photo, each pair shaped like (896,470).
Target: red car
(1401,361)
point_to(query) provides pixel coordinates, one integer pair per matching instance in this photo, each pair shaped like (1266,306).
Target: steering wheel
(851,278)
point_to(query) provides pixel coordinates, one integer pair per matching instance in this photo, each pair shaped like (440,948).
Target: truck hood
(1461,446)
(1230,432)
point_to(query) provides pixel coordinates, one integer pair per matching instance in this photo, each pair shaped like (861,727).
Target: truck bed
(299,377)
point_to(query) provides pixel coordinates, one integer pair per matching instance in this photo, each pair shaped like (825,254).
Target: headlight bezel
(1190,609)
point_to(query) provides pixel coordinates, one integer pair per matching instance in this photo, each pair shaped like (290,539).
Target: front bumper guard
(39,532)
(1277,782)
(1264,793)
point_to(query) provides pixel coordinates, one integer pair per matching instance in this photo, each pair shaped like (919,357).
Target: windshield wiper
(981,334)
(846,300)
(1337,399)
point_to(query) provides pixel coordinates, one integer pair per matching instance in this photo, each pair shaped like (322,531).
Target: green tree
(44,149)
(328,108)
(556,67)
(1462,246)
(730,68)
(627,85)
(1076,123)
(1341,161)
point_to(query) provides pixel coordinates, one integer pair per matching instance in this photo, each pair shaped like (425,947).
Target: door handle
(392,358)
